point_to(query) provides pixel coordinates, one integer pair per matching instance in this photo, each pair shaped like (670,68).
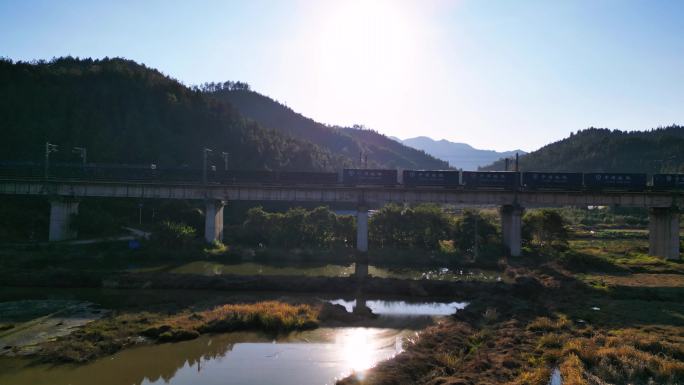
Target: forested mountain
(124,112)
(604,150)
(346,141)
(459,155)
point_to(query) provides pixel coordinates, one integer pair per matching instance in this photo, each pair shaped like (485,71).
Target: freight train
(447,179)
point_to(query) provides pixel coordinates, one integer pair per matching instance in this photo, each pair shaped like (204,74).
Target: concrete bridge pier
(511,228)
(213,220)
(360,307)
(60,218)
(663,232)
(362,229)
(361,265)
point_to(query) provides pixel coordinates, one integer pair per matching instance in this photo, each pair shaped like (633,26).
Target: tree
(545,227)
(422,227)
(473,232)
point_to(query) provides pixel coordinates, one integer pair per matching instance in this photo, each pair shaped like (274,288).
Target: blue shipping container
(552,180)
(495,179)
(431,178)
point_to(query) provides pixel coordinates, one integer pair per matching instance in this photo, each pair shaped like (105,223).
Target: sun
(360,49)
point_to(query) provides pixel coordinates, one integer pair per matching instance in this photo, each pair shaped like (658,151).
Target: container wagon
(615,181)
(552,180)
(356,177)
(507,180)
(444,178)
(664,182)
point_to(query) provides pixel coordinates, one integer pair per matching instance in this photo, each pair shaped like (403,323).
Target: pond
(315,357)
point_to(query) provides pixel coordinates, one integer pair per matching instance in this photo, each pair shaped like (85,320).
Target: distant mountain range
(604,150)
(459,155)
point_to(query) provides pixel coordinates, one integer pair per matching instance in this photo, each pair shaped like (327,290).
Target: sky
(497,75)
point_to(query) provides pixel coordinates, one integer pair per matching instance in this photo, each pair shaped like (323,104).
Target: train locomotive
(447,179)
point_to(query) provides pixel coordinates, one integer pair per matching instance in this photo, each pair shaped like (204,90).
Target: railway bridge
(64,195)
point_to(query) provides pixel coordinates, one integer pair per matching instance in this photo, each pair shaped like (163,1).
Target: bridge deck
(337,193)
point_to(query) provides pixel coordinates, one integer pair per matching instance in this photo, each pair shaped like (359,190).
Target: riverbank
(120,330)
(618,321)
(127,318)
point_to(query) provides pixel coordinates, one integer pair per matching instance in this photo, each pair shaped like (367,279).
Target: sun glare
(358,349)
(362,348)
(365,46)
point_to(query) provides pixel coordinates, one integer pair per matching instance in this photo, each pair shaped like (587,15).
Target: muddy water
(330,270)
(312,357)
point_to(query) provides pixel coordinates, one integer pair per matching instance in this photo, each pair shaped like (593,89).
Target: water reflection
(317,356)
(249,268)
(360,304)
(330,270)
(314,357)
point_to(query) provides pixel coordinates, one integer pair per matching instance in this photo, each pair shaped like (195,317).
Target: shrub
(180,211)
(585,262)
(174,235)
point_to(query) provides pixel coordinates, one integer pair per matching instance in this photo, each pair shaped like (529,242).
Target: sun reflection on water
(363,348)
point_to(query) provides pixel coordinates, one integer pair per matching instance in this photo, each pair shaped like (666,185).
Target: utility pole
(140,207)
(49,147)
(476,252)
(205,154)
(225,160)
(83,153)
(516,162)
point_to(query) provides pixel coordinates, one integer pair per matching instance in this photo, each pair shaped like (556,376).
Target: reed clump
(268,316)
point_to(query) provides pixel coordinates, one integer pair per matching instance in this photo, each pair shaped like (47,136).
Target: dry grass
(110,334)
(271,316)
(537,376)
(449,360)
(622,356)
(572,371)
(551,341)
(98,338)
(623,253)
(546,324)
(638,280)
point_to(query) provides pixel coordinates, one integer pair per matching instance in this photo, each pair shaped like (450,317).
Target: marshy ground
(601,312)
(604,313)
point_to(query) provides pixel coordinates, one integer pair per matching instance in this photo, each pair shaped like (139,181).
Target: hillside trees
(604,150)
(348,143)
(124,112)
